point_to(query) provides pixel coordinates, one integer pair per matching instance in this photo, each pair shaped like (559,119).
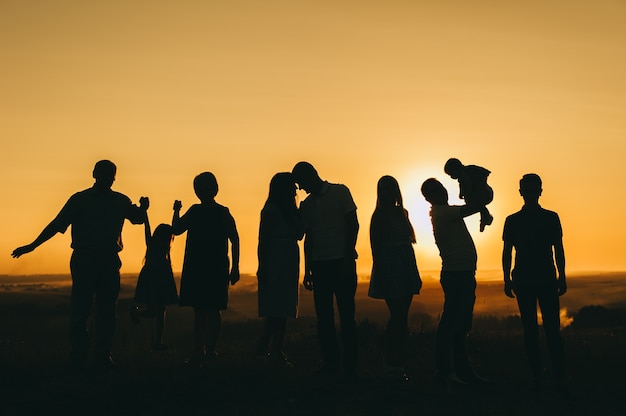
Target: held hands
(144,202)
(177,205)
(22,250)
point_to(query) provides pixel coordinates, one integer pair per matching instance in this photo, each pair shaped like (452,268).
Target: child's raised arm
(146,229)
(145,204)
(176,218)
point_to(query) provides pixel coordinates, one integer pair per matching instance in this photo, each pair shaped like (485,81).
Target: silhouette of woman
(278,268)
(155,286)
(206,275)
(395,277)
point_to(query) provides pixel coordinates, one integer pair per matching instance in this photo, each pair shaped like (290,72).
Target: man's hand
(144,202)
(508,288)
(561,286)
(307,282)
(177,205)
(234,275)
(22,250)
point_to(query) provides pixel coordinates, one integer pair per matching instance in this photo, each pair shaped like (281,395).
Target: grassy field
(35,378)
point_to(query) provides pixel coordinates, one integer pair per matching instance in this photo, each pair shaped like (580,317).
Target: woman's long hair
(388,193)
(282,193)
(389,201)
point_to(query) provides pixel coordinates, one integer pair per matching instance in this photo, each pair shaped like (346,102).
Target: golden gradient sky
(358,88)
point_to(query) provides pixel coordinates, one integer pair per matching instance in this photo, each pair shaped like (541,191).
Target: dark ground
(35,379)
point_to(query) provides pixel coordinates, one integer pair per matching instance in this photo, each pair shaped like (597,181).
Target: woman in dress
(279,266)
(207,268)
(395,277)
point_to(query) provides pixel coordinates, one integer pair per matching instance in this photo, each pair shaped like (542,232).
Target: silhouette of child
(206,275)
(473,187)
(155,286)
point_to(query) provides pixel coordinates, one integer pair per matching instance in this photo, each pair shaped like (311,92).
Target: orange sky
(359,88)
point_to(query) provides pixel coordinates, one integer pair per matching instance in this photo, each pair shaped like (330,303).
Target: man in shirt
(96,215)
(331,228)
(537,237)
(458,281)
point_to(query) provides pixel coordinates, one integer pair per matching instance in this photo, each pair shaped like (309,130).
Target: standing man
(458,281)
(537,237)
(331,228)
(96,215)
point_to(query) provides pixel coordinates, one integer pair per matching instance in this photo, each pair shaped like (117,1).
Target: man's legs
(345,291)
(83,289)
(456,321)
(443,339)
(106,292)
(107,288)
(466,301)
(527,303)
(550,312)
(324,272)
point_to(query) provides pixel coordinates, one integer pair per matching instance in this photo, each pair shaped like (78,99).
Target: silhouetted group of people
(327,220)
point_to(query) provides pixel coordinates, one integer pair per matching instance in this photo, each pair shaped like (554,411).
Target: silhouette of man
(331,228)
(96,215)
(537,237)
(458,281)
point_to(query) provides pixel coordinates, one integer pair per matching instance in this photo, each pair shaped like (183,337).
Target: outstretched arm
(506,268)
(47,233)
(469,209)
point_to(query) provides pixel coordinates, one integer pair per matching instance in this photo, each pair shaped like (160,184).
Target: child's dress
(155,285)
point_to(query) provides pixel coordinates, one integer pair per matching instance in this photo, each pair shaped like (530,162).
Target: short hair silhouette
(530,185)
(433,190)
(205,186)
(452,166)
(304,169)
(104,169)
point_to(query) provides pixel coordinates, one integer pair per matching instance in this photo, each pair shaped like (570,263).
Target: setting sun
(246,89)
(359,91)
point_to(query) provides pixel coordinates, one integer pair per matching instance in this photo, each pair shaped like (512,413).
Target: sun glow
(359,95)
